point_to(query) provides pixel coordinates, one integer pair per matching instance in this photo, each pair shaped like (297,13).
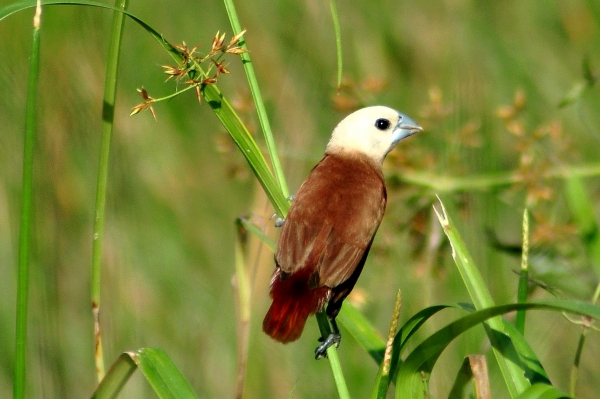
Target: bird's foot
(280,221)
(332,339)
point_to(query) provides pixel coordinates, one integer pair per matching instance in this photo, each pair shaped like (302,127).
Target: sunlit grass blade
(20,366)
(474,367)
(371,341)
(163,375)
(481,297)
(157,367)
(411,326)
(542,391)
(422,359)
(116,377)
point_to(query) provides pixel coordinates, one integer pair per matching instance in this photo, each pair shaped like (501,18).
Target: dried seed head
(234,40)
(236,50)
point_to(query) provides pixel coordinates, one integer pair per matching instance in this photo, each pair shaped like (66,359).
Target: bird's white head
(373,131)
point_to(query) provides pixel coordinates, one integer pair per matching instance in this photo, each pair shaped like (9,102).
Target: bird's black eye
(382,124)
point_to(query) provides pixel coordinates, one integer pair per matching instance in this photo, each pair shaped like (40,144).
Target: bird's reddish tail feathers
(293,302)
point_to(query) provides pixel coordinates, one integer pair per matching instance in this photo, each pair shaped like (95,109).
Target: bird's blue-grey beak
(406,127)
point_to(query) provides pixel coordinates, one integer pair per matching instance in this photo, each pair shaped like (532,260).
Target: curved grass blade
(406,331)
(116,377)
(362,331)
(481,297)
(163,375)
(158,369)
(542,391)
(409,383)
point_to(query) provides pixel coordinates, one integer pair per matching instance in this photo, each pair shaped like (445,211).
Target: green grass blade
(542,391)
(582,211)
(20,377)
(409,383)
(338,41)
(116,377)
(258,232)
(247,147)
(258,100)
(108,114)
(481,297)
(362,331)
(163,375)
(410,328)
(158,369)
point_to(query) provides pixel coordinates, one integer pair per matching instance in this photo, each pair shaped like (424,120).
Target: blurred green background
(483,78)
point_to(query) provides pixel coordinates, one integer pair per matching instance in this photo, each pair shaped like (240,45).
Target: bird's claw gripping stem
(332,339)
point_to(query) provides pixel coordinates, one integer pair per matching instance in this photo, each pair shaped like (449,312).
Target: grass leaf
(421,360)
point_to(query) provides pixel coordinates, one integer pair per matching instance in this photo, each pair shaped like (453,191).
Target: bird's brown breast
(333,219)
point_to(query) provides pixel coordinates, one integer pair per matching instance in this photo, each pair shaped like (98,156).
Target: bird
(328,232)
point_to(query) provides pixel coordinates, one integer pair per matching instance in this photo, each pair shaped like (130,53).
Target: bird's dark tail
(293,302)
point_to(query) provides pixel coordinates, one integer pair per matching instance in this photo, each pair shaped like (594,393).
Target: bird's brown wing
(332,220)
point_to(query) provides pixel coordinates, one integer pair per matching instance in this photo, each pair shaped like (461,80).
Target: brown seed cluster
(190,71)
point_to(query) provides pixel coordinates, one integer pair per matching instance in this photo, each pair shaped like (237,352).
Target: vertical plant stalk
(524,275)
(241,285)
(108,113)
(26,211)
(338,42)
(334,360)
(280,177)
(258,101)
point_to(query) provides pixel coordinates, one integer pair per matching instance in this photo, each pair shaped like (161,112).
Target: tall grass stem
(258,101)
(20,376)
(108,113)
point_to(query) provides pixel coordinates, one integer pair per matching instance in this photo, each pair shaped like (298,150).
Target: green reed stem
(20,375)
(108,113)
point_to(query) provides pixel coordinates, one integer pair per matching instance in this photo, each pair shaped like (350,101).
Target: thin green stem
(580,345)
(334,361)
(26,211)
(258,101)
(338,41)
(524,275)
(108,112)
(442,184)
